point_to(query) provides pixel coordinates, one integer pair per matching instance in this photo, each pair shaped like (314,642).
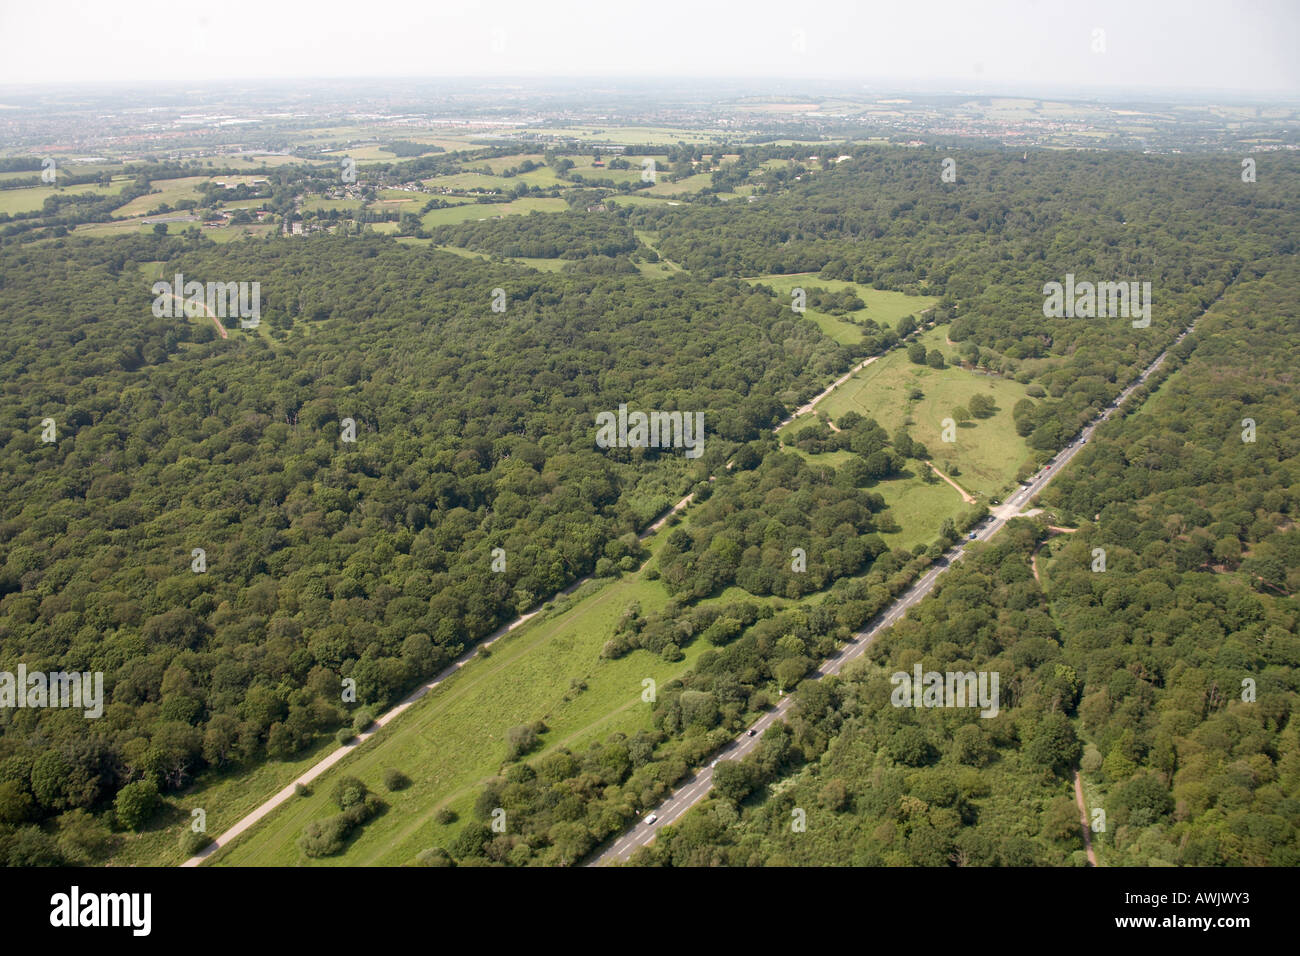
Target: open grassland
(987,452)
(468,181)
(325,205)
(641,198)
(170,191)
(32,198)
(499,163)
(882,305)
(472,211)
(683,187)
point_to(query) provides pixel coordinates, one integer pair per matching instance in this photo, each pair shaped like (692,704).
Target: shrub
(349,792)
(192,843)
(324,837)
(436,856)
(445,816)
(394,779)
(520,740)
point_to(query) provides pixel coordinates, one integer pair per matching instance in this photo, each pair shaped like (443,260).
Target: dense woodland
(372,560)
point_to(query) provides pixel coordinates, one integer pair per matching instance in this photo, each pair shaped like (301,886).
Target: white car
(650,820)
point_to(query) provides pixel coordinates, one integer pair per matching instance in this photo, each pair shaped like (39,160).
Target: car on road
(650,820)
(714,764)
(751,732)
(971,536)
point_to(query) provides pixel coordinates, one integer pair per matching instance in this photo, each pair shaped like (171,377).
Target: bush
(435,856)
(349,792)
(192,843)
(324,837)
(302,790)
(395,780)
(136,803)
(363,719)
(520,740)
(445,816)
(345,735)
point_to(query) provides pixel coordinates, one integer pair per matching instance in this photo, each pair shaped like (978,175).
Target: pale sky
(1245,45)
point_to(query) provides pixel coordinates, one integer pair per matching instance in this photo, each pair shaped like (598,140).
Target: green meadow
(987,451)
(882,305)
(471,211)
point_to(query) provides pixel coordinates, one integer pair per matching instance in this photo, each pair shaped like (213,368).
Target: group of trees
(785,528)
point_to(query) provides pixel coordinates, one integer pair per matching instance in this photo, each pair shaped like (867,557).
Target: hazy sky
(1247,45)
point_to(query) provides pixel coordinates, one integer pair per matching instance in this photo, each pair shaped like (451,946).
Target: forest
(327,559)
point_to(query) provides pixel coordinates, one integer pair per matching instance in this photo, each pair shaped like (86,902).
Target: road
(698,784)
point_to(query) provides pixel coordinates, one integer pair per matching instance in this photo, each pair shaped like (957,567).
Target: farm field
(468,181)
(170,191)
(642,198)
(683,187)
(32,198)
(326,205)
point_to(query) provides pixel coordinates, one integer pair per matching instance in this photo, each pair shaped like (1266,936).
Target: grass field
(472,211)
(683,187)
(882,305)
(988,452)
(325,205)
(32,198)
(171,191)
(642,199)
